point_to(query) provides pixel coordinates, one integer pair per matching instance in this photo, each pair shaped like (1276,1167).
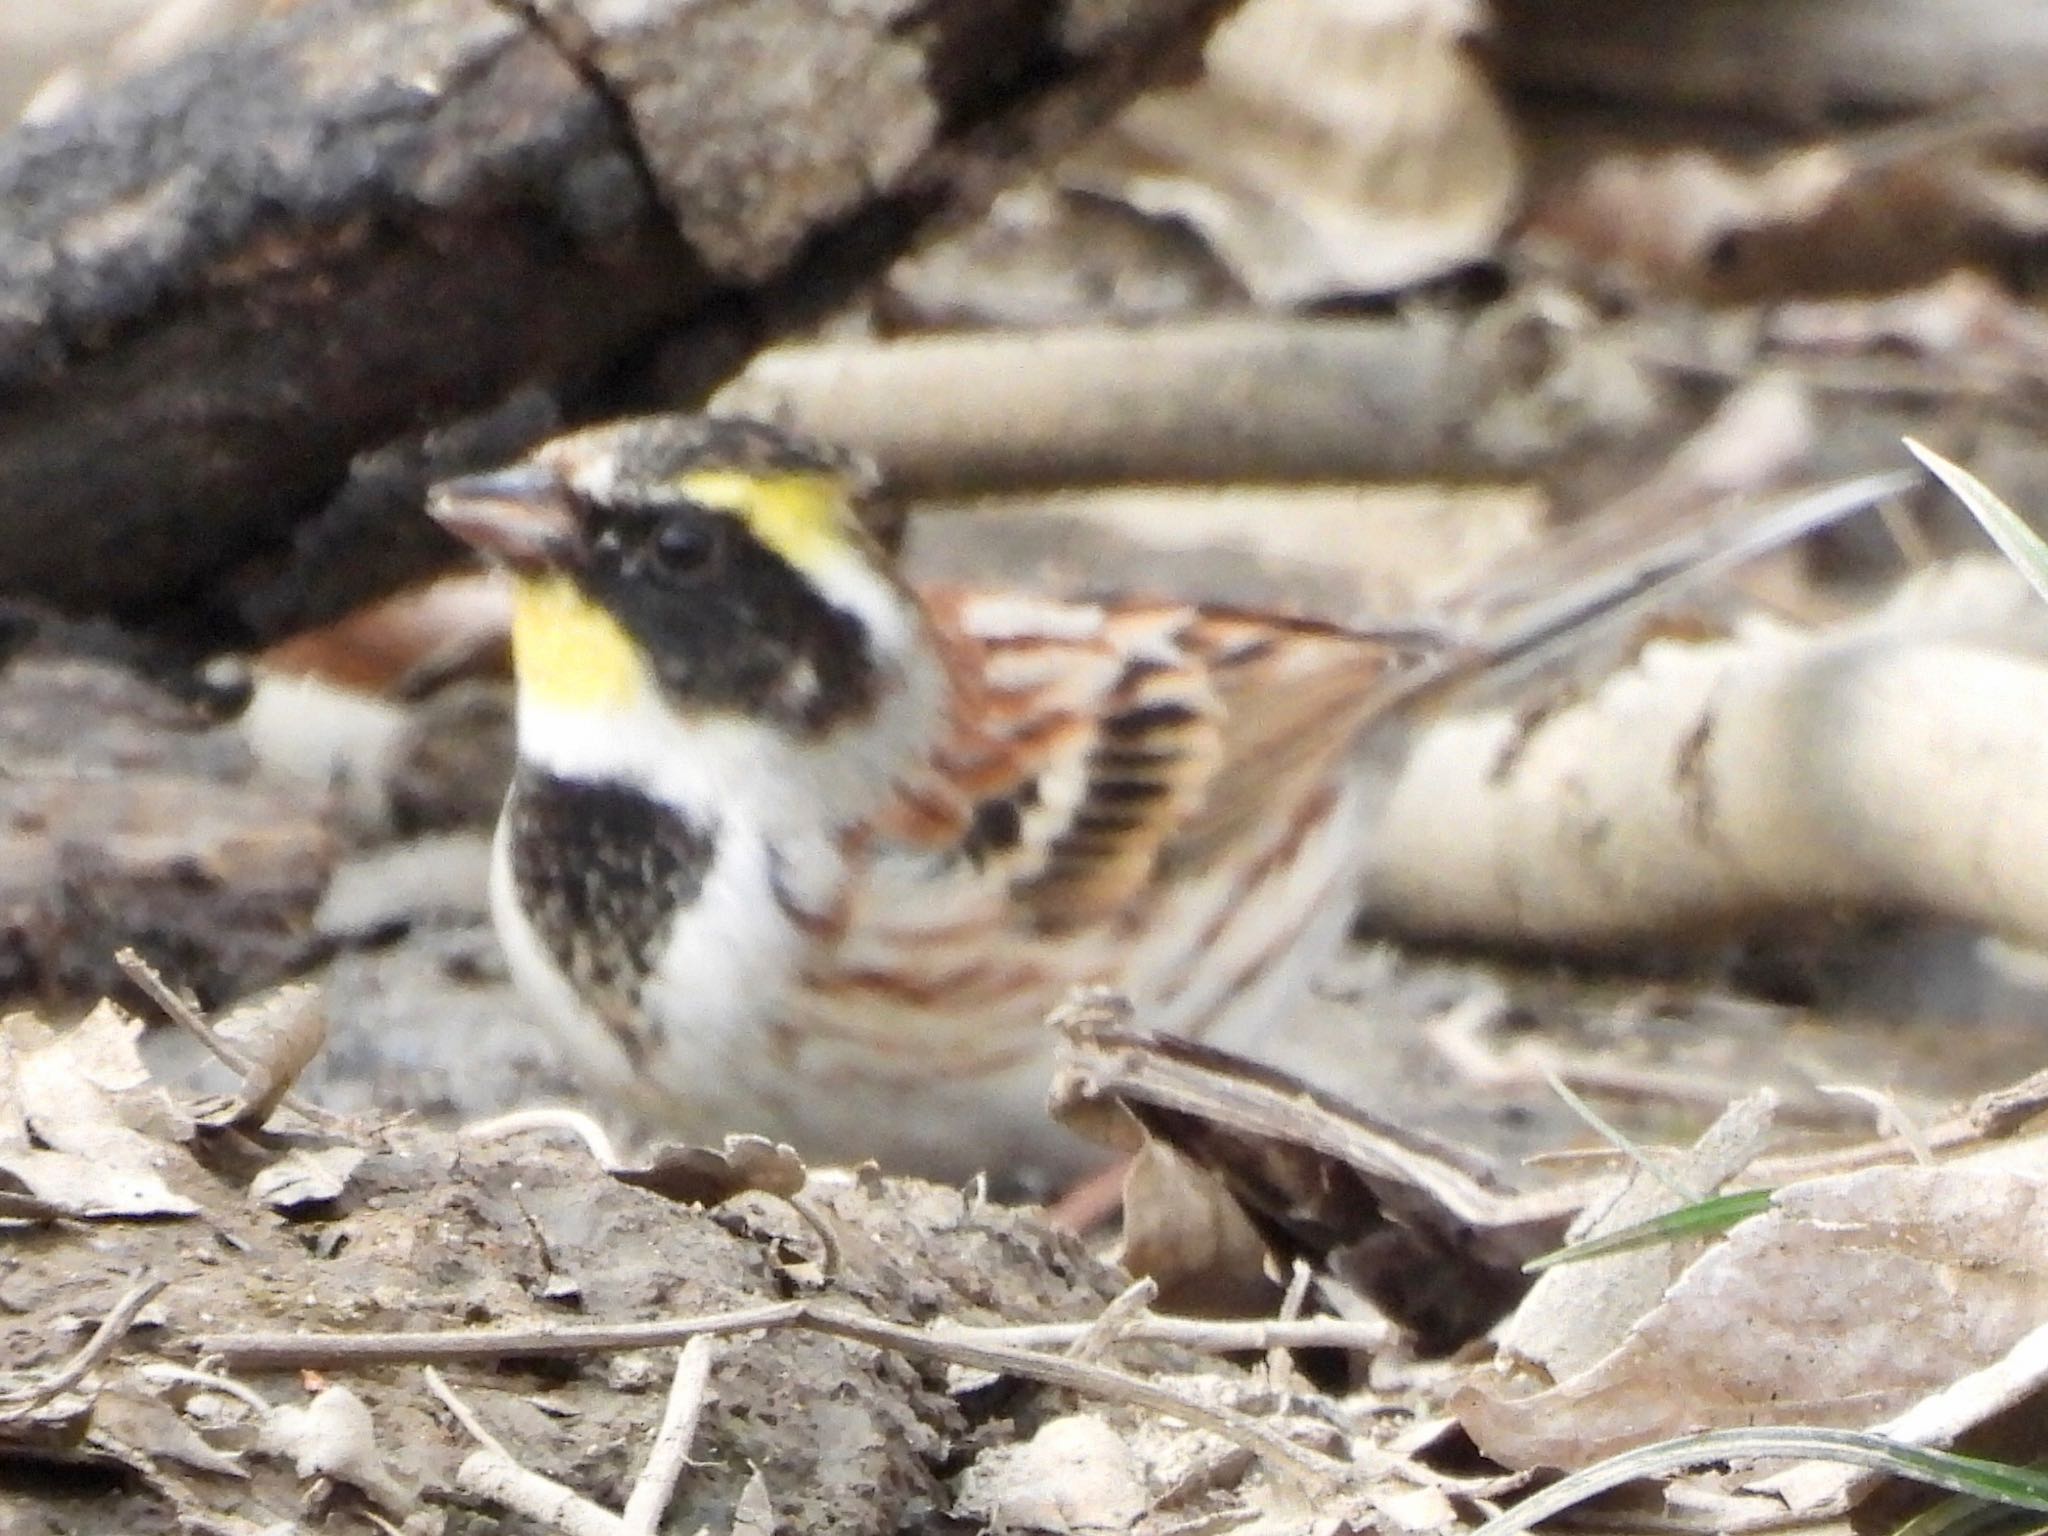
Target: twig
(1618,1139)
(1201,1334)
(227,1386)
(492,1474)
(1279,1360)
(181,1013)
(1892,1119)
(193,1022)
(813,1216)
(283,1351)
(956,1347)
(291,1351)
(489,1475)
(550,1117)
(1106,1328)
(464,1414)
(104,1341)
(656,1486)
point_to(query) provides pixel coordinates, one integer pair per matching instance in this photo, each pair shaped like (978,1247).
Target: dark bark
(232,279)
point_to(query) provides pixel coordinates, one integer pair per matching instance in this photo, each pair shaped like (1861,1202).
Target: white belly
(734,1043)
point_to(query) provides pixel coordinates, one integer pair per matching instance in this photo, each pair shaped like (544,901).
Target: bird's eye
(684,547)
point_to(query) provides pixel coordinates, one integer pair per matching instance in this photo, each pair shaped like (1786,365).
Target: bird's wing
(1292,695)
(1098,745)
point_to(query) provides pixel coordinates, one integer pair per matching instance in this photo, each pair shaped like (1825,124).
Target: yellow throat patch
(570,654)
(802,517)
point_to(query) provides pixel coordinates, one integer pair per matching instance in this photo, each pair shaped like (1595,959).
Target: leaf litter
(273,1360)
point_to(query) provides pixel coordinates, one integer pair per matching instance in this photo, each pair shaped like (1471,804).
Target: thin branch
(492,1474)
(954,1346)
(104,1341)
(227,1386)
(488,1475)
(193,1022)
(656,1486)
(284,1351)
(292,1351)
(1102,1333)
(182,1013)
(1892,1119)
(1279,1359)
(552,1117)
(1619,1139)
(463,1413)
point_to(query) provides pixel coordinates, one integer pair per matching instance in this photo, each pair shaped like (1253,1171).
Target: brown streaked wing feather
(1294,695)
(1106,739)
(1154,746)
(1081,739)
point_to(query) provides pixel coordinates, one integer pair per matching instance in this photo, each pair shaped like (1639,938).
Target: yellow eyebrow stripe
(802,517)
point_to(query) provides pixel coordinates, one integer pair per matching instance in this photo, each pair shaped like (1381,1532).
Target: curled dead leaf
(1851,1299)
(306,1176)
(708,1175)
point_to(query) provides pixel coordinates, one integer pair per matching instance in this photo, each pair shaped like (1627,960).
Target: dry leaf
(277,1035)
(64,1184)
(1576,1313)
(1396,1215)
(333,1436)
(707,1175)
(753,1513)
(139,1418)
(306,1176)
(1850,1300)
(1814,1488)
(1838,216)
(1331,147)
(83,1131)
(1184,1231)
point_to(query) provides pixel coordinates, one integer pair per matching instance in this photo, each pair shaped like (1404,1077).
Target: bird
(794,847)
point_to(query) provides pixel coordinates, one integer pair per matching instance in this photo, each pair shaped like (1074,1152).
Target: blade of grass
(2009,531)
(1960,1514)
(1615,1137)
(2019,1487)
(1703,1218)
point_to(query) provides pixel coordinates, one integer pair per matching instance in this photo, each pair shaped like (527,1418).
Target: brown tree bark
(227,282)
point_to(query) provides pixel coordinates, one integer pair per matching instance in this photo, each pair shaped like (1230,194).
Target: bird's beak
(522,516)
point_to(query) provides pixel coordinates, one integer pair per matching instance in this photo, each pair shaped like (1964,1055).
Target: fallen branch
(302,1350)
(1422,397)
(1711,788)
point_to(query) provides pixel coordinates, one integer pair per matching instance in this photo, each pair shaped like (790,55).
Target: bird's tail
(1516,633)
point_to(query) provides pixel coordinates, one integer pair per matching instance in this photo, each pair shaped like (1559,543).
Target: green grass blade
(1962,1515)
(2019,1487)
(2008,530)
(1703,1218)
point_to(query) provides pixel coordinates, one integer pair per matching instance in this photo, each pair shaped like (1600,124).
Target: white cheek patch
(847,581)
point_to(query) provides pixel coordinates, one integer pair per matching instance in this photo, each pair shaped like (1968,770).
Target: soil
(432,1232)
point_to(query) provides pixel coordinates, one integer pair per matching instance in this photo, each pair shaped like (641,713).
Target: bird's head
(719,567)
